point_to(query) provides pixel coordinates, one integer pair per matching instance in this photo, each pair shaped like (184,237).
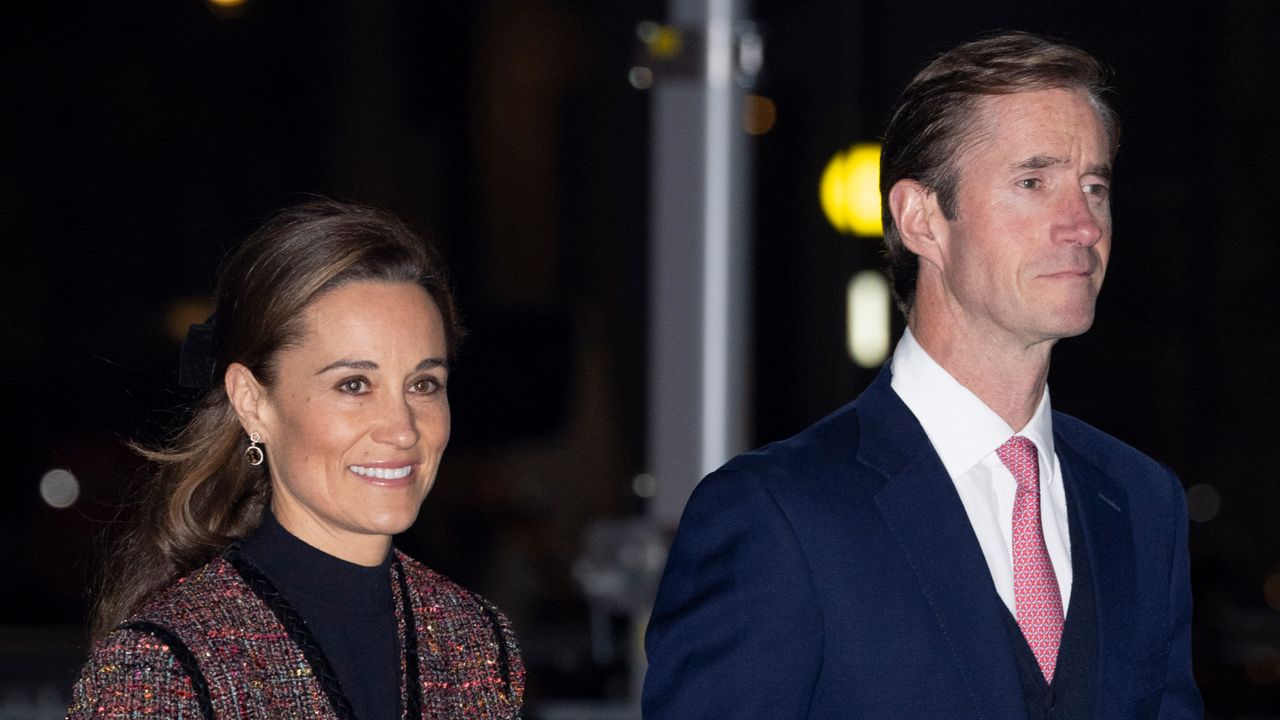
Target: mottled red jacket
(217,642)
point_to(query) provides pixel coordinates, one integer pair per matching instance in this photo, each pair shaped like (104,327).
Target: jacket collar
(1102,507)
(920,505)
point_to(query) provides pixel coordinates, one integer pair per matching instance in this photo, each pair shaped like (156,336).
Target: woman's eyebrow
(348,364)
(427,364)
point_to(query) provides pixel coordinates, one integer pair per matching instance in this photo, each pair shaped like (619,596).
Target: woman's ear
(919,219)
(248,398)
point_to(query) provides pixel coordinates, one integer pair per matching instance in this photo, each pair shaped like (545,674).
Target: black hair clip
(195,364)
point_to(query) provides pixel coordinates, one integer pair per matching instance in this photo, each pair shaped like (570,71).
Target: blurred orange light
(758,114)
(184,313)
(1271,590)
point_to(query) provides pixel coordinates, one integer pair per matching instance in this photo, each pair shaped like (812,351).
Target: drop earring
(253,454)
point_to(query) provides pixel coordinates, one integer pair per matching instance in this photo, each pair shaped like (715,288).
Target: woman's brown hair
(203,494)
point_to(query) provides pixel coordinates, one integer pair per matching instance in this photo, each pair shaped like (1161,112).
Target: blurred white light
(647,31)
(1203,502)
(644,485)
(59,488)
(750,57)
(867,315)
(640,77)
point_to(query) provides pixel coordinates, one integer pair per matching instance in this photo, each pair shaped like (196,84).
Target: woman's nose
(397,426)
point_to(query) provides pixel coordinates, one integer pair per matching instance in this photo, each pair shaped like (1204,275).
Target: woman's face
(358,417)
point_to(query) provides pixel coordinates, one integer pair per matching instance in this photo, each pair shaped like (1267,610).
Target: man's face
(1025,258)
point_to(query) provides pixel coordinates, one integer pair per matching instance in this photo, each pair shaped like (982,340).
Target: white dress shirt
(966,433)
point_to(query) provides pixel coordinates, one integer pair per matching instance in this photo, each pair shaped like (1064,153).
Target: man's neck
(1009,377)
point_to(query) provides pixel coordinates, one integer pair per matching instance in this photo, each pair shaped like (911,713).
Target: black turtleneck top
(349,608)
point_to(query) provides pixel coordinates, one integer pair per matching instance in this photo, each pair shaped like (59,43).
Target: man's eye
(354,386)
(1030,183)
(1097,189)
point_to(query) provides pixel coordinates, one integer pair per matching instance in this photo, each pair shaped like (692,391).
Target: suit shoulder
(132,673)
(203,599)
(145,667)
(1100,446)
(812,452)
(1148,482)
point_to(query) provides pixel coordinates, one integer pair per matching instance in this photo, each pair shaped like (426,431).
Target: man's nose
(1082,220)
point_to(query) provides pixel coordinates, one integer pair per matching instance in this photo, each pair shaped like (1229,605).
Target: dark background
(139,141)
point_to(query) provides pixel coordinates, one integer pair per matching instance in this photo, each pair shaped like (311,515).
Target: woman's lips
(384,474)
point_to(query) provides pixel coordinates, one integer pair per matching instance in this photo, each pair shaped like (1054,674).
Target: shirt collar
(961,427)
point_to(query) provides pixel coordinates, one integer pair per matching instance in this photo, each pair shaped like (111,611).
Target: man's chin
(1068,327)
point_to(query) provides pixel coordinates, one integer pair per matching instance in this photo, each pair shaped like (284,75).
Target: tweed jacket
(223,643)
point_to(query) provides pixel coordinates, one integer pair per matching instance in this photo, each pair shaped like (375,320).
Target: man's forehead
(1040,128)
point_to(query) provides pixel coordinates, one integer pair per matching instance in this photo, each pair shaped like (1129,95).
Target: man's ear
(248,398)
(919,219)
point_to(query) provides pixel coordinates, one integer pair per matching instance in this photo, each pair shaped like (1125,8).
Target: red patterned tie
(1035,587)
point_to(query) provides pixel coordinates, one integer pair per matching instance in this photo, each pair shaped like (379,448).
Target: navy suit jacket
(836,575)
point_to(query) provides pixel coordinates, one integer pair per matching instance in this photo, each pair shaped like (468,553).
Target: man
(946,546)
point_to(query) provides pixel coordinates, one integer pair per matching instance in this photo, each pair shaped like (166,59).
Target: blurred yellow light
(850,191)
(758,114)
(663,41)
(867,315)
(227,3)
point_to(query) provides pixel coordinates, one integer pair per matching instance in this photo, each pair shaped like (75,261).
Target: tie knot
(1020,456)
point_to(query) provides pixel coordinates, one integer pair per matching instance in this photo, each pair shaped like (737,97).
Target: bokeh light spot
(1203,502)
(59,488)
(850,191)
(1271,589)
(759,114)
(183,313)
(644,485)
(867,314)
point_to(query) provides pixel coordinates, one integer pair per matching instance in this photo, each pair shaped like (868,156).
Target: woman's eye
(354,386)
(425,386)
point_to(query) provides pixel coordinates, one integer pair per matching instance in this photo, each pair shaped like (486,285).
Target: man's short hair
(935,117)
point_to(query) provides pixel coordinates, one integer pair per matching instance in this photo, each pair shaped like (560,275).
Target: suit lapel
(1102,507)
(920,505)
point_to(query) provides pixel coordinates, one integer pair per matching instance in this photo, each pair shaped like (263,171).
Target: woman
(259,578)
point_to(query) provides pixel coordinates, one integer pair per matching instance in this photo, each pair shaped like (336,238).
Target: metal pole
(699,283)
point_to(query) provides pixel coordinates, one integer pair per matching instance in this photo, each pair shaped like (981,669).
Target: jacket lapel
(920,505)
(1102,507)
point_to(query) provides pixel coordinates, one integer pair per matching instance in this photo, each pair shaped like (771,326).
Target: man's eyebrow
(1102,171)
(1036,162)
(427,364)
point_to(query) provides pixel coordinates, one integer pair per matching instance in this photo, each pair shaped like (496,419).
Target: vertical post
(699,287)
